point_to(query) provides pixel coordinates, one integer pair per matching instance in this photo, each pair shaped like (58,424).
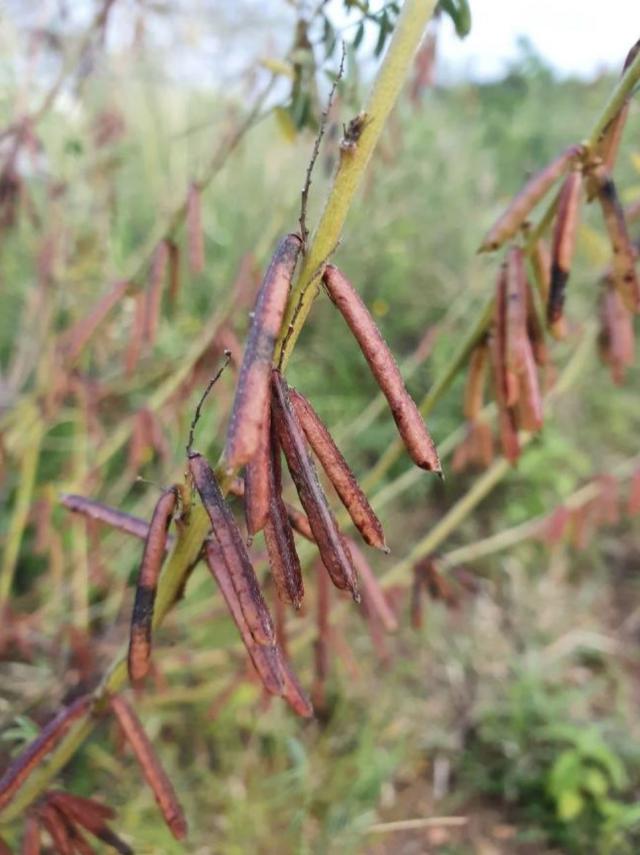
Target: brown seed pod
(515,296)
(265,658)
(251,402)
(58,830)
(541,266)
(338,471)
(155,285)
(376,599)
(633,500)
(50,735)
(564,241)
(294,694)
(150,765)
(529,407)
(333,551)
(407,417)
(256,482)
(623,277)
(278,535)
(107,515)
(233,550)
(195,235)
(299,522)
(74,340)
(155,547)
(476,378)
(523,203)
(30,839)
(535,329)
(89,813)
(476,449)
(616,340)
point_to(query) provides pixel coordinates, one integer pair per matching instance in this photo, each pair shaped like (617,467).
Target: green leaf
(359,35)
(569,805)
(460,14)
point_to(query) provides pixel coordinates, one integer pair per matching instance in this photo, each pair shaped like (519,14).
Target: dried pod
(265,658)
(476,378)
(251,403)
(155,547)
(554,526)
(294,694)
(107,515)
(195,235)
(529,406)
(376,600)
(58,830)
(623,276)
(476,449)
(564,241)
(515,308)
(407,417)
(151,768)
(633,500)
(256,482)
(535,329)
(523,203)
(155,285)
(31,838)
(89,813)
(333,550)
(50,735)
(616,340)
(541,266)
(338,471)
(278,535)
(74,340)
(233,551)
(299,522)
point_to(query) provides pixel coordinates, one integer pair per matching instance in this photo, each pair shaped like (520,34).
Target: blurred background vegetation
(517,709)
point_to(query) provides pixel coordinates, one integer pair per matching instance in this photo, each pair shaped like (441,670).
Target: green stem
(406,37)
(621,93)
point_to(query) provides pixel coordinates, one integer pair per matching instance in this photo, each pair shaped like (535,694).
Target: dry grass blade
(233,551)
(155,547)
(50,735)
(278,535)
(564,241)
(338,471)
(153,772)
(407,417)
(333,550)
(251,402)
(525,201)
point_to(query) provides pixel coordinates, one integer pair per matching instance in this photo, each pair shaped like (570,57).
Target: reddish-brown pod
(376,598)
(256,482)
(278,535)
(195,235)
(383,366)
(109,516)
(535,329)
(623,276)
(57,828)
(333,551)
(633,500)
(517,340)
(155,547)
(616,339)
(564,241)
(233,550)
(152,770)
(31,838)
(50,735)
(523,203)
(540,258)
(251,402)
(476,378)
(529,406)
(264,657)
(338,471)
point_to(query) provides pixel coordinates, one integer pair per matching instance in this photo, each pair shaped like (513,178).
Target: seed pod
(294,694)
(299,522)
(476,377)
(155,547)
(109,516)
(338,471)
(554,526)
(633,501)
(251,403)
(476,449)
(233,551)
(89,813)
(535,329)
(154,291)
(50,735)
(151,768)
(31,838)
(505,381)
(523,203)
(541,266)
(195,234)
(75,339)
(616,339)
(256,483)
(278,535)
(516,338)
(624,277)
(529,407)
(564,241)
(376,599)
(58,831)
(333,551)
(265,658)
(509,435)
(407,417)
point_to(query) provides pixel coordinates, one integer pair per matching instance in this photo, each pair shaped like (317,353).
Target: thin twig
(203,397)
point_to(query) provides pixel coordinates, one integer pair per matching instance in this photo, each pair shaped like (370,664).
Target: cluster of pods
(515,345)
(269,419)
